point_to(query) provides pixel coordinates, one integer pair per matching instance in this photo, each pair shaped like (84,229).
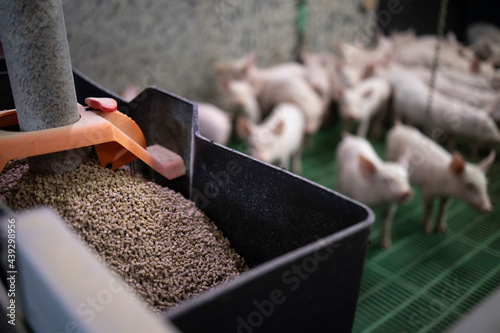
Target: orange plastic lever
(117,140)
(8,118)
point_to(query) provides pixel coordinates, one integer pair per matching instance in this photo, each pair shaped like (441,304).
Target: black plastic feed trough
(305,244)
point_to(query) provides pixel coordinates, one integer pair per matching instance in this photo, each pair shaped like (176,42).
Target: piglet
(245,69)
(366,102)
(301,94)
(130,92)
(279,138)
(410,102)
(363,176)
(285,83)
(318,76)
(237,97)
(494,109)
(215,124)
(438,173)
(321,66)
(357,54)
(420,52)
(478,97)
(484,39)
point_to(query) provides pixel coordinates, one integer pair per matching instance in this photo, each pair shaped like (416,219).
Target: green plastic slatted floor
(423,283)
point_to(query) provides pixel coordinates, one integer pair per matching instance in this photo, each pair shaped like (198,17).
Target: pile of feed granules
(164,247)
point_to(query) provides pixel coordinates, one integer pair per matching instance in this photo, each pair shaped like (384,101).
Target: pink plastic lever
(103,104)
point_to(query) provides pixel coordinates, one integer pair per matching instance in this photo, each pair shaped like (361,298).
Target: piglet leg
(441,214)
(347,124)
(297,162)
(474,149)
(452,143)
(427,222)
(363,127)
(387,217)
(377,123)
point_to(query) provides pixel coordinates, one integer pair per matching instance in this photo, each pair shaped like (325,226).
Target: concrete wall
(332,20)
(173,44)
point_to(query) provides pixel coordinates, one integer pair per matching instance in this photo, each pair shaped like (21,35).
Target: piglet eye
(389,182)
(470,187)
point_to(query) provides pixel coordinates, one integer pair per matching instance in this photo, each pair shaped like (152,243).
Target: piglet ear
(278,128)
(486,163)
(368,93)
(303,55)
(366,167)
(381,37)
(325,61)
(243,127)
(338,92)
(457,164)
(219,67)
(250,59)
(368,71)
(339,66)
(223,83)
(475,65)
(248,62)
(451,37)
(412,33)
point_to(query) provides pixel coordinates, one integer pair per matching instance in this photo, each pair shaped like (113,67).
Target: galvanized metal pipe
(37,55)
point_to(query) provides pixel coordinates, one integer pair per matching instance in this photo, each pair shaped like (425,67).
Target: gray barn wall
(173,44)
(329,21)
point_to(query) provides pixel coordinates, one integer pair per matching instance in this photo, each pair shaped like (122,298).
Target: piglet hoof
(428,229)
(442,228)
(385,244)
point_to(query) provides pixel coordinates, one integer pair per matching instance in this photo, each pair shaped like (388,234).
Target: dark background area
(422,15)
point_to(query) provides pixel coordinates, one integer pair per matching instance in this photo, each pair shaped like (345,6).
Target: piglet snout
(406,195)
(485,207)
(351,115)
(240,102)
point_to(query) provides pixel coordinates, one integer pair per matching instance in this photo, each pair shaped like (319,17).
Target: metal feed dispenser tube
(36,50)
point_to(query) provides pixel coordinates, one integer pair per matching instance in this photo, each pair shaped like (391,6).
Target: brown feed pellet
(164,247)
